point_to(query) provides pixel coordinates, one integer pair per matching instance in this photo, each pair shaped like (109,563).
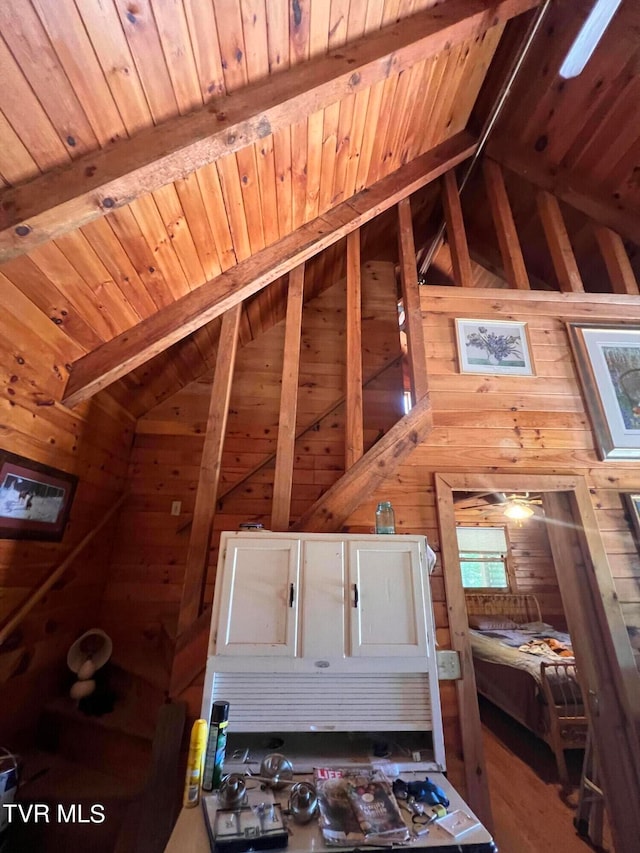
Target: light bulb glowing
(518,510)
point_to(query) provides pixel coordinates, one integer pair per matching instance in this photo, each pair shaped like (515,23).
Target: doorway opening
(601,644)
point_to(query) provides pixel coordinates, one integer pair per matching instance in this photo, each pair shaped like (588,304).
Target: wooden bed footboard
(520,607)
(567,718)
(560,687)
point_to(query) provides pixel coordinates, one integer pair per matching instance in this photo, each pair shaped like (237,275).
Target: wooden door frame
(601,643)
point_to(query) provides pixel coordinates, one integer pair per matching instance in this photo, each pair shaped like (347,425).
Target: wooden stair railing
(12,623)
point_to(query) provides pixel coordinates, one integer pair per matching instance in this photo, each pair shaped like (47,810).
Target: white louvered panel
(322,702)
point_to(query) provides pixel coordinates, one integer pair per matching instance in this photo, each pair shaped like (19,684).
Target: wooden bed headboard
(521,607)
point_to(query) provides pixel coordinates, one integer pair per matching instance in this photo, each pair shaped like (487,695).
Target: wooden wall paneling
(354,441)
(250,187)
(564,262)
(213,199)
(230,183)
(413,139)
(408,45)
(199,542)
(232,46)
(299,144)
(472,77)
(284,186)
(43,588)
(164,260)
(77,57)
(175,39)
(579,193)
(74,290)
(264,268)
(413,318)
(268,189)
(16,164)
(445,93)
(380,129)
(347,126)
(281,506)
(339,501)
(477,791)
(190,196)
(23,29)
(617,262)
(456,233)
(114,258)
(112,51)
(32,140)
(595,619)
(173,216)
(145,46)
(510,250)
(26,276)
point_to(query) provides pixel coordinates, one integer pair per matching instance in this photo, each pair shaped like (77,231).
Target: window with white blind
(483,557)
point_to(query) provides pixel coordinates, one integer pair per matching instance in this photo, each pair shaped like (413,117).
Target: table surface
(190,832)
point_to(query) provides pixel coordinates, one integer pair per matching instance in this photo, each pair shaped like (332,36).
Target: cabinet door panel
(259,602)
(386,599)
(323,600)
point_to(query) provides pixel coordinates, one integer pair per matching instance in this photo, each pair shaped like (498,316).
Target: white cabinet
(387,605)
(326,633)
(259,597)
(321,598)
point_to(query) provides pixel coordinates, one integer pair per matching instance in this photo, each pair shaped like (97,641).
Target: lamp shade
(518,509)
(94,645)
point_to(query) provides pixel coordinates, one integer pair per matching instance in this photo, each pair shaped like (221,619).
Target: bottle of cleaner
(216,746)
(195,764)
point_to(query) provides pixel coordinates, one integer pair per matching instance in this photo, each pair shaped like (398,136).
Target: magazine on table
(357,806)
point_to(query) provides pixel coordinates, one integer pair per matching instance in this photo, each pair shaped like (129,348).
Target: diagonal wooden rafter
(70,196)
(330,512)
(575,190)
(285,450)
(354,420)
(204,511)
(129,350)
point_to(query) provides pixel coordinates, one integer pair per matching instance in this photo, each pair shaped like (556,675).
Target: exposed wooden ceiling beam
(335,506)
(508,240)
(153,335)
(70,196)
(572,189)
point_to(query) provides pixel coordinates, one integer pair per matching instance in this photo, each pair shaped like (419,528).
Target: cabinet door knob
(292,595)
(355,595)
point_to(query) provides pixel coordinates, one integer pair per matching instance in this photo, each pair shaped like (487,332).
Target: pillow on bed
(536,627)
(486,623)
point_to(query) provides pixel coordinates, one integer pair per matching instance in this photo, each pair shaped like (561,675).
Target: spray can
(195,763)
(216,746)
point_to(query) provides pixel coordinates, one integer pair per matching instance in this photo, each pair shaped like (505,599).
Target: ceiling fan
(588,38)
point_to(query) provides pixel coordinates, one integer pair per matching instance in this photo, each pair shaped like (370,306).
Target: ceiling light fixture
(588,38)
(517,509)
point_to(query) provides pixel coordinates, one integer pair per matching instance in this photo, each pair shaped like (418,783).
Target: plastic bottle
(216,746)
(385,518)
(195,763)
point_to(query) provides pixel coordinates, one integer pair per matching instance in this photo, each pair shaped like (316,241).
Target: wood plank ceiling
(97,75)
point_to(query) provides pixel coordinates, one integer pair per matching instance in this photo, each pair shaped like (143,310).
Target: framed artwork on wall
(632,501)
(493,346)
(35,499)
(608,361)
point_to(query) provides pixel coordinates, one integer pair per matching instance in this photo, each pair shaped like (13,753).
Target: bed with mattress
(526,667)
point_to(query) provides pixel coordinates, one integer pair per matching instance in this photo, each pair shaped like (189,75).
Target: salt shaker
(385,518)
